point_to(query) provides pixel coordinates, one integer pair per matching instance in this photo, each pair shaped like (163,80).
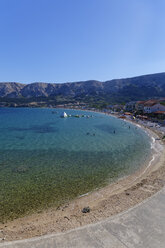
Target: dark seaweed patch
(104,127)
(46,128)
(20,137)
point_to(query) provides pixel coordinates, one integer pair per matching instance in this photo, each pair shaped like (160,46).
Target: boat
(64,115)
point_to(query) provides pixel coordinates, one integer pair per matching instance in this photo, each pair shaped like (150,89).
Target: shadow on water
(44,128)
(19,137)
(105,128)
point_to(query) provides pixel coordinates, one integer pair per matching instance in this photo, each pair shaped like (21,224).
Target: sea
(46,160)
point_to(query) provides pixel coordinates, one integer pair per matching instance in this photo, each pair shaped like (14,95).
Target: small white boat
(64,115)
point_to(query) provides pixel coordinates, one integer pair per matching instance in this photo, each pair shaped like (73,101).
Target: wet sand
(103,203)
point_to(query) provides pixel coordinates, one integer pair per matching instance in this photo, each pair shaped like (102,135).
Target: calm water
(46,160)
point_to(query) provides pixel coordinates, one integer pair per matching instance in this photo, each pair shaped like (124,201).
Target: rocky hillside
(133,88)
(11,89)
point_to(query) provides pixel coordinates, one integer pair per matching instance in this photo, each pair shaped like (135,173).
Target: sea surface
(46,160)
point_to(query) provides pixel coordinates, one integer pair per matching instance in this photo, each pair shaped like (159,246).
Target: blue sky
(74,40)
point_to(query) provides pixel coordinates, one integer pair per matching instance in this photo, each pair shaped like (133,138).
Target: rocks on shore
(86,210)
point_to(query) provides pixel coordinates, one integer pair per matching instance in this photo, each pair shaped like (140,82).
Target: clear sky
(74,40)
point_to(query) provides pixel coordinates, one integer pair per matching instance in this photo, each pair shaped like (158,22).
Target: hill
(117,90)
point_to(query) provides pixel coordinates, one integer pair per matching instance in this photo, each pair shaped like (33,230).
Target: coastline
(104,202)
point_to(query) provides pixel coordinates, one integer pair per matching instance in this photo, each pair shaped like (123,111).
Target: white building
(153,107)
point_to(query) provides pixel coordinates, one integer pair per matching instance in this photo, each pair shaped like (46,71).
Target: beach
(103,203)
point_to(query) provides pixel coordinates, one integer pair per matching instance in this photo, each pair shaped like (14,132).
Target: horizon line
(81,81)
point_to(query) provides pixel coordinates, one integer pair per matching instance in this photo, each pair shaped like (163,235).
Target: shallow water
(46,160)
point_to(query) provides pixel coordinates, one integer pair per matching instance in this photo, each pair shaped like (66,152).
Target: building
(159,114)
(130,106)
(153,107)
(116,107)
(139,105)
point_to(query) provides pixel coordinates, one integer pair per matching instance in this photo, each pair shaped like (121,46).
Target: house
(130,106)
(160,114)
(142,117)
(117,107)
(151,107)
(148,106)
(127,113)
(139,105)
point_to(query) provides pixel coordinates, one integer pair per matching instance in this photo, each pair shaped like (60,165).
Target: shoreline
(105,202)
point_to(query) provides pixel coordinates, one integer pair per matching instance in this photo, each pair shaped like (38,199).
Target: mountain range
(135,88)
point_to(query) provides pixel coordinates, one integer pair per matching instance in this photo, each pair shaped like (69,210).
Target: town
(153,109)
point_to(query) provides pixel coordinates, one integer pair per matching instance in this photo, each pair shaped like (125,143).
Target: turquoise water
(46,160)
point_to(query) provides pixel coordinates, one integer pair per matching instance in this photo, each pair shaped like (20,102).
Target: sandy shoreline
(105,202)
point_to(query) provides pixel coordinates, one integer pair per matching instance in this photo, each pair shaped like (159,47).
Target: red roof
(150,102)
(127,113)
(142,116)
(159,112)
(141,102)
